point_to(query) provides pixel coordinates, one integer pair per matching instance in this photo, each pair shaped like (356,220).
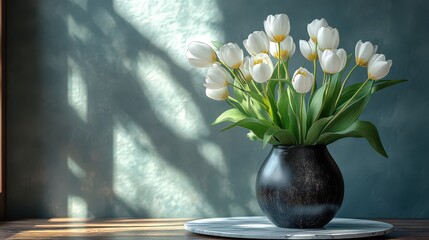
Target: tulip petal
(261,72)
(379,69)
(218,94)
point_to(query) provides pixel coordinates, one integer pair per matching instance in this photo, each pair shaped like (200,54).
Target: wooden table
(68,228)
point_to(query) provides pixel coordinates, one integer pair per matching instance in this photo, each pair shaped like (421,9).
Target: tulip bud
(328,38)
(333,61)
(217,77)
(261,67)
(257,42)
(287,48)
(363,52)
(231,55)
(302,80)
(245,68)
(308,49)
(314,26)
(219,94)
(277,27)
(200,55)
(378,67)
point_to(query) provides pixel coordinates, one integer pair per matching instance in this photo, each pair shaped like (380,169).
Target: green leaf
(271,87)
(258,98)
(286,137)
(351,113)
(238,94)
(293,110)
(251,135)
(348,93)
(315,105)
(359,129)
(217,45)
(282,107)
(275,73)
(381,84)
(257,126)
(269,134)
(315,130)
(378,85)
(237,105)
(230,115)
(333,86)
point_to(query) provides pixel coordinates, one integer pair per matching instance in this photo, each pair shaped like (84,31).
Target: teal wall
(106,118)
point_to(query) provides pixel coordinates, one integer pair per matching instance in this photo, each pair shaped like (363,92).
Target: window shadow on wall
(85,135)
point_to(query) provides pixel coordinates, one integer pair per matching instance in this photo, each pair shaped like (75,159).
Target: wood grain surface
(69,228)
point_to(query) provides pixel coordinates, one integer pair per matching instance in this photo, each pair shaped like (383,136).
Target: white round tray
(262,228)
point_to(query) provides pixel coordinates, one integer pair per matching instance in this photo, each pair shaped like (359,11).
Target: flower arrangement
(290,109)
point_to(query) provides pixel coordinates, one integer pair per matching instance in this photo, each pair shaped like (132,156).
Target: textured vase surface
(299,186)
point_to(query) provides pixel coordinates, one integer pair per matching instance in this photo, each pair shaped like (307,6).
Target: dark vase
(299,186)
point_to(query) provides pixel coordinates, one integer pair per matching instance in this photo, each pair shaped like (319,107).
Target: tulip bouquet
(290,109)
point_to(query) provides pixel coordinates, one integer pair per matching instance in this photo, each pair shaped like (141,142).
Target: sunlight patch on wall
(104,21)
(213,155)
(78,31)
(81,3)
(171,103)
(77,91)
(75,169)
(144,180)
(171,25)
(76,207)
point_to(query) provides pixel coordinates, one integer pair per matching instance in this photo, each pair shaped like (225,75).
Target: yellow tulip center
(312,56)
(236,66)
(257,61)
(302,72)
(314,39)
(214,57)
(283,54)
(361,62)
(279,38)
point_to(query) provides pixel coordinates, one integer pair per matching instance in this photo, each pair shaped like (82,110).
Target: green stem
(264,90)
(314,87)
(301,130)
(279,61)
(344,83)
(325,93)
(345,105)
(324,78)
(286,66)
(233,100)
(232,85)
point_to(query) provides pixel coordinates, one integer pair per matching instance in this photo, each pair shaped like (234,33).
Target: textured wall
(105,117)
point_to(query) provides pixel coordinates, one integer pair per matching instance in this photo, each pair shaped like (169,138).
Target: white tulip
(378,67)
(245,68)
(200,55)
(287,48)
(333,61)
(231,55)
(261,67)
(217,77)
(219,94)
(277,27)
(302,80)
(257,42)
(308,49)
(314,26)
(328,38)
(363,52)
